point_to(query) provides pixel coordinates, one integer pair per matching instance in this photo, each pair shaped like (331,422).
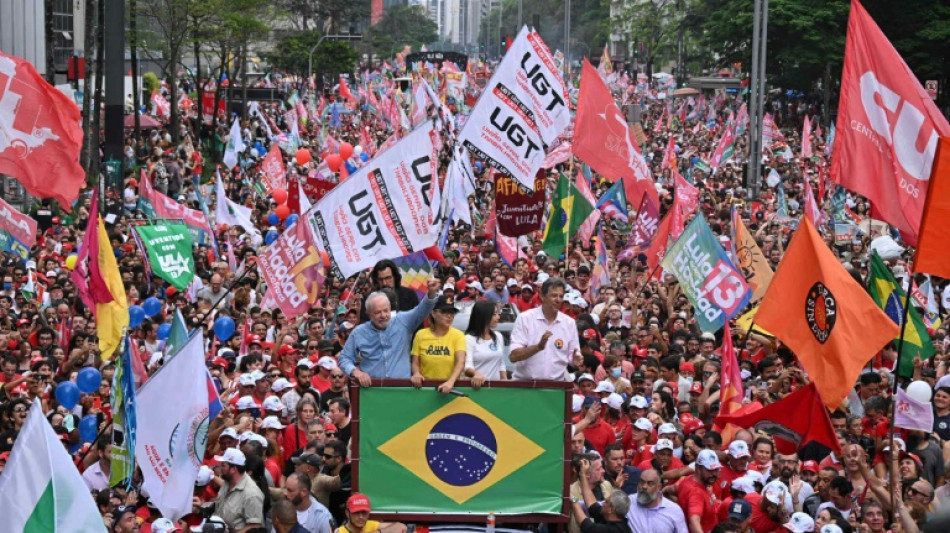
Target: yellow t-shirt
(437,354)
(371,525)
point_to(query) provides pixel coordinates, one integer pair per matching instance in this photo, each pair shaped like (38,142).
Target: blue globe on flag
(461,449)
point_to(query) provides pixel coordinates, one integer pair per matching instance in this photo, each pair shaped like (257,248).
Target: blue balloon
(364,157)
(88,380)
(136,316)
(163,331)
(67,394)
(152,306)
(291,220)
(273,219)
(479,166)
(271,236)
(350,167)
(224,327)
(88,428)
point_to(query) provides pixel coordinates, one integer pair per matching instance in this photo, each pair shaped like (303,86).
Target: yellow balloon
(71,261)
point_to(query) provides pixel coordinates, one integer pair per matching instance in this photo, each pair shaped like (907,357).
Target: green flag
(569,209)
(890,297)
(170,253)
(177,336)
(123,418)
(471,454)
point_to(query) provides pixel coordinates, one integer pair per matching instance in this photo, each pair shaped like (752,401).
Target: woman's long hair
(480,320)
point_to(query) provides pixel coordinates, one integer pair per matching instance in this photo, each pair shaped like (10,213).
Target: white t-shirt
(485,356)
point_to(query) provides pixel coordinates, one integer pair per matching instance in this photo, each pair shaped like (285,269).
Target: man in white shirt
(97,475)
(311,514)
(544,340)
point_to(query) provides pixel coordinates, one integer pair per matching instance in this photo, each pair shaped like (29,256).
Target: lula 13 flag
(40,134)
(886,151)
(519,211)
(17,231)
(911,414)
(471,454)
(170,251)
(383,211)
(41,491)
(294,270)
(709,279)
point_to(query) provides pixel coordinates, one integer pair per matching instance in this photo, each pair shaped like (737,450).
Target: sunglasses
(337,376)
(314,347)
(330,455)
(912,490)
(20,409)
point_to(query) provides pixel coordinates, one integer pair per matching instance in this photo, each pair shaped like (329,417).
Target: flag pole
(900,340)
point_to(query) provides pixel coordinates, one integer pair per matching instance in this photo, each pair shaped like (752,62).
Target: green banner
(169,251)
(496,450)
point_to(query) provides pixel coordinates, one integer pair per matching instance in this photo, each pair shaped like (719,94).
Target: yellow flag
(112,317)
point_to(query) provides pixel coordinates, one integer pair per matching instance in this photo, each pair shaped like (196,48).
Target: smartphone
(97,403)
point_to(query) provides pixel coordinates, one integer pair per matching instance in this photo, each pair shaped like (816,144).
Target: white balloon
(357,150)
(920,391)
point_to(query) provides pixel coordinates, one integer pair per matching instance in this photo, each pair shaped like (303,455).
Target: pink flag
(911,414)
(806,138)
(685,203)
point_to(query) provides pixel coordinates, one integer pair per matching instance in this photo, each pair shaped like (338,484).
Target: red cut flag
(602,138)
(793,421)
(87,276)
(345,91)
(806,138)
(685,203)
(731,393)
(661,243)
(933,254)
(40,135)
(886,145)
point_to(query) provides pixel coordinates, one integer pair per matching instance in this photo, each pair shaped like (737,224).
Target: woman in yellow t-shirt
(438,352)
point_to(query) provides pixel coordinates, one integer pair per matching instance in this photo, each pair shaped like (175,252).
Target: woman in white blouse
(484,358)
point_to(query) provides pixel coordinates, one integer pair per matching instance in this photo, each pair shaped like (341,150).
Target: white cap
(755,476)
(666,428)
(744,484)
(232,456)
(708,460)
(800,523)
(604,386)
(542,277)
(738,449)
(246,402)
(271,422)
(258,375)
(258,438)
(578,403)
(582,377)
(643,424)
(164,525)
(900,445)
(477,285)
(831,528)
(580,302)
(229,432)
(775,492)
(205,475)
(327,362)
(273,403)
(614,401)
(448,286)
(305,362)
(245,436)
(663,444)
(280,385)
(512,282)
(638,402)
(246,380)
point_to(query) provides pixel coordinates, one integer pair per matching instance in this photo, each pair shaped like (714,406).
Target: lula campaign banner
(519,211)
(17,231)
(294,270)
(709,279)
(383,211)
(157,205)
(522,111)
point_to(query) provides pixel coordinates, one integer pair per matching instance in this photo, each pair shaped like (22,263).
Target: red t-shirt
(698,500)
(292,441)
(724,484)
(600,435)
(319,383)
(759,521)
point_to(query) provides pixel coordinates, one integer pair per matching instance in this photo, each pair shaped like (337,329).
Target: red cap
(696,387)
(219,361)
(692,425)
(286,349)
(590,334)
(254,339)
(12,344)
(22,322)
(358,502)
(687,367)
(37,359)
(55,220)
(810,466)
(329,427)
(170,291)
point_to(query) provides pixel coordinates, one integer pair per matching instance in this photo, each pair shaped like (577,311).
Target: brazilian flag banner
(496,450)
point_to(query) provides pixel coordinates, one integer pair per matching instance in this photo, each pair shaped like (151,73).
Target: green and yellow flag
(422,452)
(569,209)
(890,297)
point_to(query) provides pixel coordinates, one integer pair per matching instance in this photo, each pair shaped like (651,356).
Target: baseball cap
(775,492)
(327,362)
(448,287)
(900,445)
(273,403)
(739,510)
(164,525)
(584,376)
(577,403)
(245,402)
(666,428)
(708,460)
(696,387)
(219,361)
(205,475)
(604,386)
(232,456)
(800,523)
(311,459)
(271,422)
(755,476)
(739,449)
(258,375)
(644,424)
(445,302)
(305,362)
(744,484)
(254,339)
(246,380)
(637,376)
(280,384)
(664,444)
(324,345)
(687,367)
(693,425)
(229,432)
(810,466)
(831,528)
(358,502)
(638,402)
(589,333)
(613,401)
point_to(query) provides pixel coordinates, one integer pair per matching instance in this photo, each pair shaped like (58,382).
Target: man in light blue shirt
(383,343)
(652,512)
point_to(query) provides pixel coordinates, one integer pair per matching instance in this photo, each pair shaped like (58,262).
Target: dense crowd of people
(647,453)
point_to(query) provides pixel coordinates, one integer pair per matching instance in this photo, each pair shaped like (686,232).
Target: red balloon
(280,196)
(334,161)
(346,150)
(303,157)
(282,212)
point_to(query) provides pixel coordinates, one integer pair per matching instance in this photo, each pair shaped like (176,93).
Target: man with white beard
(651,511)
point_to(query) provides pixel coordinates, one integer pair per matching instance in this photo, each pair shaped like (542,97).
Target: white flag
(235,145)
(304,201)
(40,489)
(172,412)
(231,213)
(459,185)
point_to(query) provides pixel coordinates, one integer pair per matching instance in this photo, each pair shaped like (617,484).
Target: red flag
(345,91)
(933,254)
(685,203)
(646,224)
(885,146)
(657,250)
(602,138)
(730,383)
(793,421)
(90,284)
(40,135)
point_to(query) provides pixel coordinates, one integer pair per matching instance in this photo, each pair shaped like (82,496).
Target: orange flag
(826,317)
(933,255)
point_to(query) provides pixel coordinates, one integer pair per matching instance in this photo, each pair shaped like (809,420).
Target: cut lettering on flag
(823,315)
(40,134)
(40,489)
(887,150)
(294,269)
(911,414)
